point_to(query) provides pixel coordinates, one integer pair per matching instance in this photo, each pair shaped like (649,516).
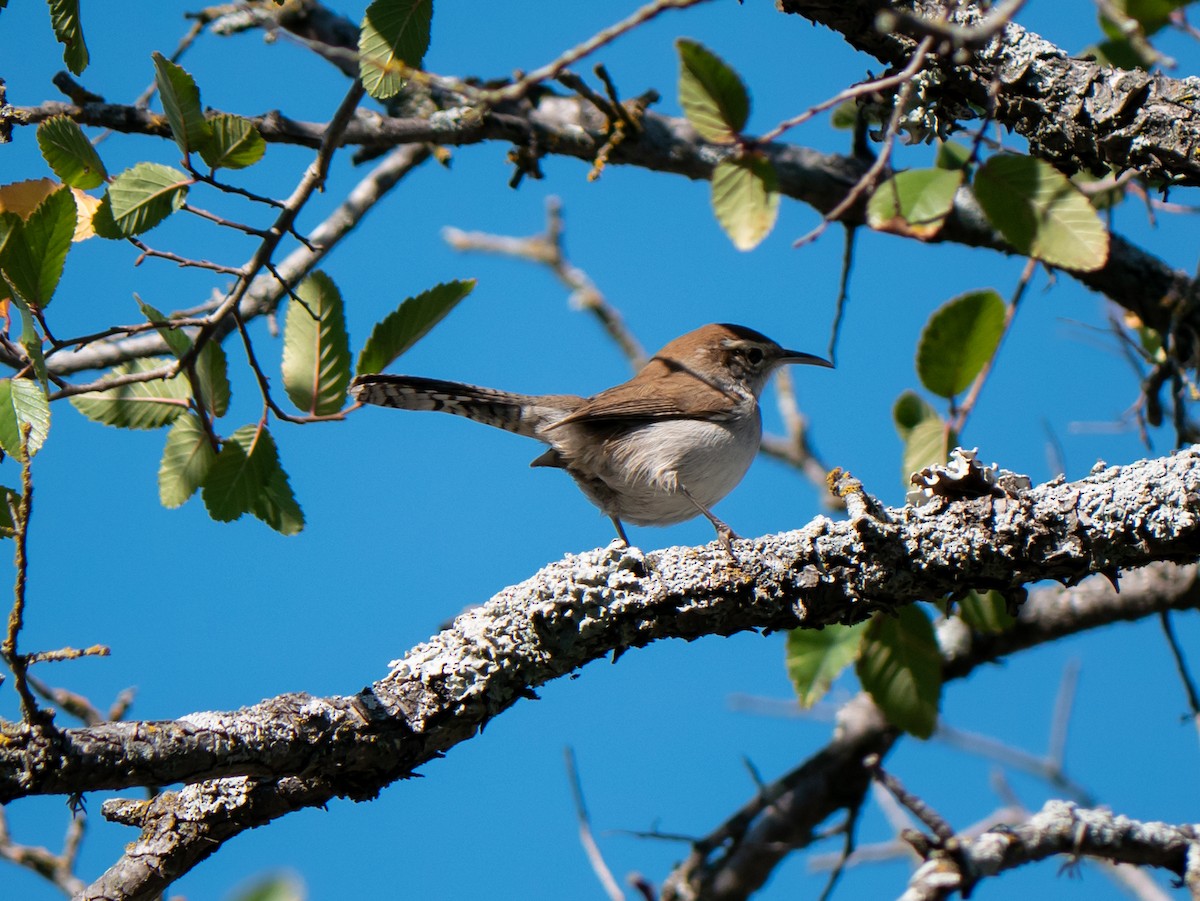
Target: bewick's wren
(663,447)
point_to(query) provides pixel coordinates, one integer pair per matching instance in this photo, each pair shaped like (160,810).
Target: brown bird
(661,448)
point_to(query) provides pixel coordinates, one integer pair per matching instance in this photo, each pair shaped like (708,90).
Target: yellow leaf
(85,207)
(22,197)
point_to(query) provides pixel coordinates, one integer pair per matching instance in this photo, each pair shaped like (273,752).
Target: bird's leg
(724,533)
(620,531)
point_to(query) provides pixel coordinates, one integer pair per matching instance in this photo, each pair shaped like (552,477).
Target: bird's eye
(754,355)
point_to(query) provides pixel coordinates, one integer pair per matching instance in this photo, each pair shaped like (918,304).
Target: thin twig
(868,179)
(1185,676)
(959,420)
(117,381)
(922,811)
(18,663)
(551,70)
(1060,720)
(595,858)
(147,251)
(314,178)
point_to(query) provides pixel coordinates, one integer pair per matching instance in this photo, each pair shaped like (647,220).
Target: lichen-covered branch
(586,607)
(1074,112)
(295,750)
(1058,828)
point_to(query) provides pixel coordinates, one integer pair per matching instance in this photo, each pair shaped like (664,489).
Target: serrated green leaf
(815,658)
(187,457)
(959,339)
(405,326)
(36,250)
(211,368)
(277,505)
(928,443)
(914,203)
(64,17)
(394,35)
(952,155)
(22,401)
(745,199)
(9,501)
(176,339)
(70,154)
(212,373)
(909,410)
(900,666)
(986,612)
(712,95)
(181,104)
(1040,213)
(235,143)
(239,476)
(316,348)
(142,197)
(136,405)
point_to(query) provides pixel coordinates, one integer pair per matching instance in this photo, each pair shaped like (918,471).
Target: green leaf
(64,17)
(914,203)
(70,154)
(404,327)
(103,223)
(745,199)
(181,104)
(31,341)
(1151,15)
(9,501)
(142,197)
(1040,213)
(814,658)
(186,460)
(36,249)
(136,405)
(212,373)
(901,667)
(952,155)
(22,401)
(927,443)
(211,367)
(241,471)
(987,612)
(394,35)
(712,95)
(235,143)
(316,348)
(909,411)
(277,505)
(959,339)
(176,339)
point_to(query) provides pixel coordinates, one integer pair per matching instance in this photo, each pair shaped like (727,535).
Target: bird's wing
(673,396)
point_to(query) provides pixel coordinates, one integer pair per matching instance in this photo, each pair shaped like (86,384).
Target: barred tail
(524,414)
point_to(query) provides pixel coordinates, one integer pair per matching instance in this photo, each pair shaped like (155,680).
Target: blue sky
(413,517)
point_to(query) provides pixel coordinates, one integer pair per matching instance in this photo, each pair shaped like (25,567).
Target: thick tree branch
(606,601)
(568,126)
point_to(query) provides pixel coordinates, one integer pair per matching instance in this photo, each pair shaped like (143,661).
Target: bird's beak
(799,357)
